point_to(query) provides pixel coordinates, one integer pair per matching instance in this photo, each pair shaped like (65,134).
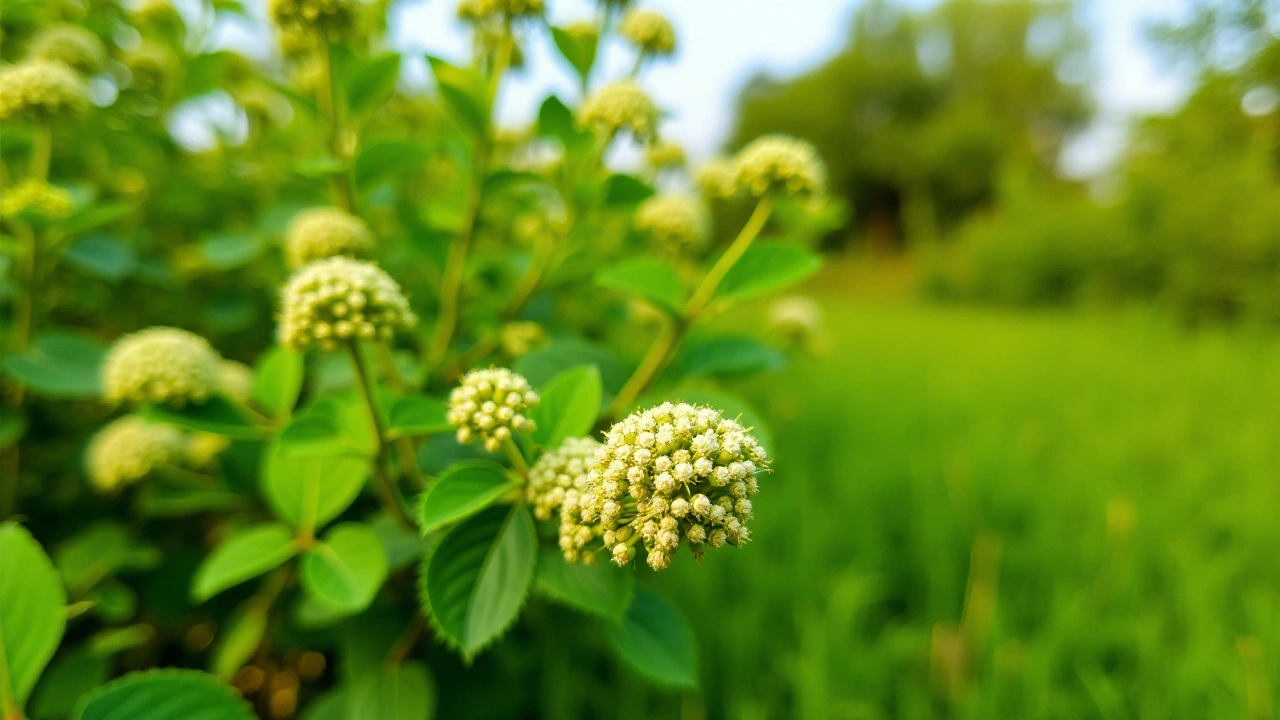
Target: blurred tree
(919,113)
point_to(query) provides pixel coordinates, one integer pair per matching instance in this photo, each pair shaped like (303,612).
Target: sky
(723,43)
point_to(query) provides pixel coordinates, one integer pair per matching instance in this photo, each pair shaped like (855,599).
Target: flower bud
(317,298)
(780,164)
(492,403)
(620,106)
(649,31)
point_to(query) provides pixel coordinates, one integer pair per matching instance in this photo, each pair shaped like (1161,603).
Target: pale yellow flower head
(781,164)
(560,473)
(155,69)
(128,449)
(161,365)
(665,154)
(324,232)
(583,31)
(520,337)
(620,106)
(673,221)
(718,179)
(339,299)
(319,19)
(235,380)
(71,45)
(480,10)
(38,197)
(670,475)
(491,404)
(41,90)
(651,32)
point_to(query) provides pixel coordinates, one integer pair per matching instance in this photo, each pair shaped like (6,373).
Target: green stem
(516,457)
(331,107)
(41,152)
(707,289)
(388,493)
(659,354)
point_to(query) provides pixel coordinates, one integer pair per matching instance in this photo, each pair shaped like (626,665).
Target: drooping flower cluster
(128,449)
(670,474)
(718,179)
(491,404)
(649,31)
(320,19)
(324,232)
(777,163)
(338,299)
(38,197)
(559,474)
(673,221)
(620,106)
(662,155)
(71,45)
(161,365)
(41,90)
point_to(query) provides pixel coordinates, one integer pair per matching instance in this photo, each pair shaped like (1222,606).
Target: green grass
(984,514)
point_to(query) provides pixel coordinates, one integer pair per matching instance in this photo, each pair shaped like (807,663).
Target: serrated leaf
(569,407)
(767,266)
(277,380)
(417,415)
(59,364)
(648,278)
(242,556)
(164,695)
(217,415)
(462,490)
(655,639)
(393,692)
(100,255)
(602,589)
(32,615)
(478,577)
(346,568)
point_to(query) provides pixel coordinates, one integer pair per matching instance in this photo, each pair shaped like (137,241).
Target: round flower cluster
(718,179)
(520,337)
(620,106)
(662,155)
(649,31)
(559,474)
(156,12)
(327,19)
(36,196)
(161,365)
(491,404)
(235,380)
(41,89)
(128,449)
(673,221)
(70,45)
(154,68)
(671,474)
(479,10)
(324,232)
(337,299)
(777,163)
(583,31)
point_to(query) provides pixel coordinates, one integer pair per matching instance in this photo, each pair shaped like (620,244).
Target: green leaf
(311,474)
(569,407)
(71,675)
(13,425)
(464,92)
(164,695)
(242,556)
(648,278)
(239,638)
(601,589)
(161,500)
(622,189)
(102,256)
(98,552)
(380,161)
(768,266)
(32,615)
(555,120)
(345,569)
(59,364)
(91,217)
(655,639)
(373,83)
(725,355)
(115,640)
(204,72)
(393,692)
(462,490)
(478,576)
(579,53)
(561,354)
(228,251)
(217,415)
(277,380)
(417,415)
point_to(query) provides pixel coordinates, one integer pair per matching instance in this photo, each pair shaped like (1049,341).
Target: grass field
(991,514)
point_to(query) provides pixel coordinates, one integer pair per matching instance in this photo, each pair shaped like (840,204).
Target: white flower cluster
(673,221)
(620,106)
(161,365)
(339,299)
(559,474)
(323,232)
(671,474)
(128,449)
(491,404)
(777,163)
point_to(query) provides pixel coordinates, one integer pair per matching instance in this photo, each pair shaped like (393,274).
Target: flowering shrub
(369,361)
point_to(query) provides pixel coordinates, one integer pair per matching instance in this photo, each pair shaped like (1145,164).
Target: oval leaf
(59,364)
(164,695)
(246,554)
(346,569)
(32,615)
(417,415)
(478,577)
(766,267)
(102,256)
(311,476)
(655,639)
(463,490)
(277,380)
(217,415)
(601,589)
(647,278)
(569,407)
(395,692)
